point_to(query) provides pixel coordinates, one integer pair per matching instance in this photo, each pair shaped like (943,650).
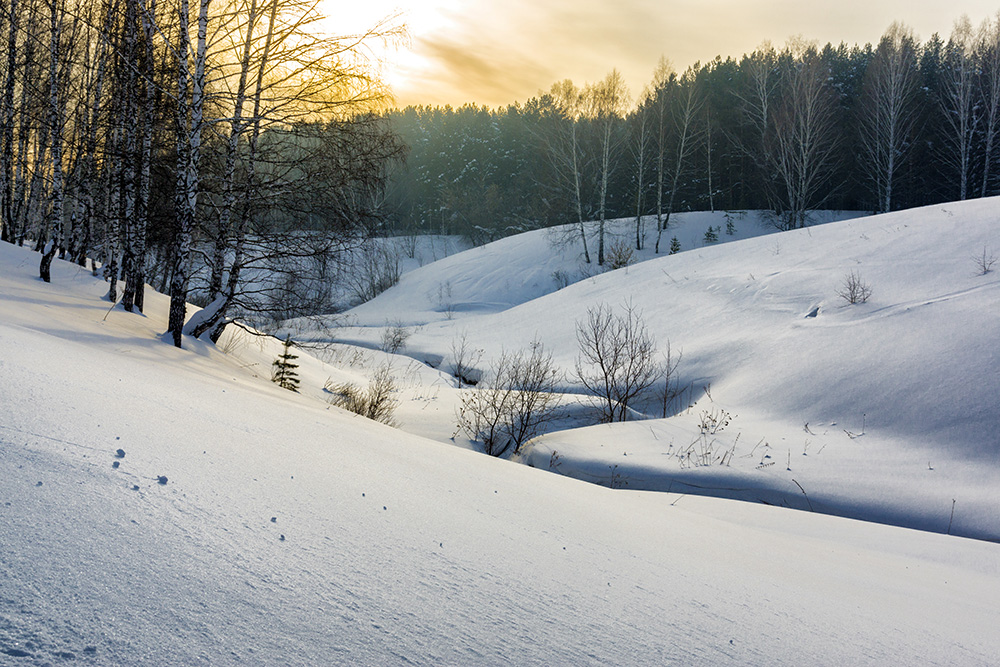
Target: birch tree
(641,138)
(803,146)
(606,102)
(887,112)
(54,127)
(989,66)
(958,100)
(7,134)
(190,114)
(679,101)
(561,132)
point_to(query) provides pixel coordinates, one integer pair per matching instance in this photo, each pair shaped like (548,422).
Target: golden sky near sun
(495,52)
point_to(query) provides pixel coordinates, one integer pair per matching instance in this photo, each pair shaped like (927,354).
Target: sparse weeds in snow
(343,355)
(375,402)
(394,337)
(808,502)
(854,289)
(444,299)
(555,460)
(464,359)
(864,420)
(617,482)
(706,450)
(561,278)
(984,260)
(714,420)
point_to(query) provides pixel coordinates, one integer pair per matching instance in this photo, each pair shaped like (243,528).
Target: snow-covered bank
(395,549)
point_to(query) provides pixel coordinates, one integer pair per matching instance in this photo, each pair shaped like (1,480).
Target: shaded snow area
(241,523)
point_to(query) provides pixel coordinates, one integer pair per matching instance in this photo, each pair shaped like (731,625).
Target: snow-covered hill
(286,531)
(519,268)
(885,410)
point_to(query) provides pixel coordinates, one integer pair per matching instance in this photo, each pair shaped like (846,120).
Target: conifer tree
(283,372)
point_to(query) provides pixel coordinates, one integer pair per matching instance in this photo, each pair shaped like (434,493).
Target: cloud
(479,72)
(497,51)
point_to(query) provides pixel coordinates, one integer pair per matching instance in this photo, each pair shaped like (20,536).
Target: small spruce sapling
(675,246)
(283,369)
(711,235)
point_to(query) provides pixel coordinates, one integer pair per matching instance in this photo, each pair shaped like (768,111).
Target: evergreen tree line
(876,127)
(222,148)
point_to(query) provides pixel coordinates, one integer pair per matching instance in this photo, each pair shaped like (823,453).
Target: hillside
(287,532)
(884,410)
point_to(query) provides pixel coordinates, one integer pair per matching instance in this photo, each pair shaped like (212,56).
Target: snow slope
(884,411)
(287,532)
(519,268)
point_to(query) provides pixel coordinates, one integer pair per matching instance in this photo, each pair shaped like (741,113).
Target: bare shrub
(464,358)
(617,361)
(513,401)
(409,243)
(854,289)
(985,261)
(561,278)
(394,337)
(375,402)
(618,256)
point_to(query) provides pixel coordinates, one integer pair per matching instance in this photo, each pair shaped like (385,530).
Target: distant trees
(870,127)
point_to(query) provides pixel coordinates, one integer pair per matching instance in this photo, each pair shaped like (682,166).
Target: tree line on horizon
(877,128)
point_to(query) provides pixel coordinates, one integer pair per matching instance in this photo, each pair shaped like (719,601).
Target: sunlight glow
(497,51)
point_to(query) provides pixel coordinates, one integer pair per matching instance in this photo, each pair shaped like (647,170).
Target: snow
(391,547)
(883,411)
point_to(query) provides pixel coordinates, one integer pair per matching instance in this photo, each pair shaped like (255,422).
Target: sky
(494,52)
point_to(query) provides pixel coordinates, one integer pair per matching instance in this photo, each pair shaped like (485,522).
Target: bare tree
(605,104)
(803,146)
(7,117)
(988,52)
(958,100)
(54,127)
(641,137)
(679,102)
(562,136)
(887,112)
(617,361)
(310,146)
